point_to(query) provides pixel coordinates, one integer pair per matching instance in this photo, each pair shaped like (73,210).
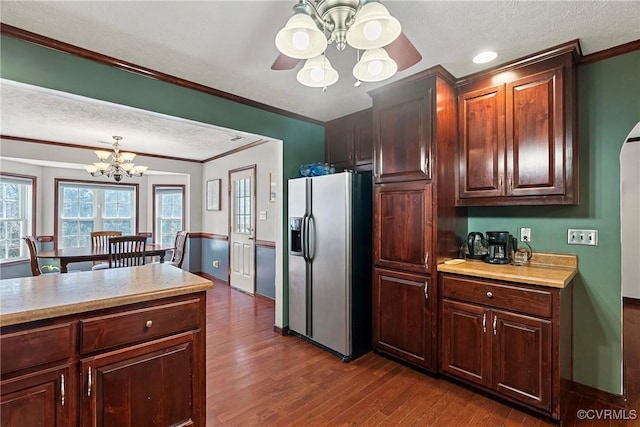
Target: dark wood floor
(256,377)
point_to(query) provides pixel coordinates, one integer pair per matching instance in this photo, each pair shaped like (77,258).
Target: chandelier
(362,24)
(115,164)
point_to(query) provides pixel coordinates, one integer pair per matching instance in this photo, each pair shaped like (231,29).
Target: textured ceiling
(229,45)
(37,113)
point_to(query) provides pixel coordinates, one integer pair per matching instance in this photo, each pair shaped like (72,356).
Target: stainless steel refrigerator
(330,261)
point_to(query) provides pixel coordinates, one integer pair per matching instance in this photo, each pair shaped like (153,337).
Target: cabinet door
(148,384)
(403,324)
(466,341)
(42,398)
(403,226)
(339,146)
(535,140)
(481,148)
(363,142)
(402,140)
(522,362)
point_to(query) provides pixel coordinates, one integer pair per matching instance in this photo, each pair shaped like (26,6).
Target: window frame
(155,188)
(34,210)
(56,202)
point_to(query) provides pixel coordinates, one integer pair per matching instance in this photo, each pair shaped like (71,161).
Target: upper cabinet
(348,142)
(402,134)
(516,129)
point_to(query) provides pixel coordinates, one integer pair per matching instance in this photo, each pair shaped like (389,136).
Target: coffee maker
(501,246)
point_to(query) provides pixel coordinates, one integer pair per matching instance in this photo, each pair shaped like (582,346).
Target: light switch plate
(263,215)
(582,237)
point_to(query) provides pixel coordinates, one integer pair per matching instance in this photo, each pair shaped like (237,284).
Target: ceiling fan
(362,24)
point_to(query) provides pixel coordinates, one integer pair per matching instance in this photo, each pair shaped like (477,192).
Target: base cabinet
(40,398)
(136,365)
(507,339)
(403,323)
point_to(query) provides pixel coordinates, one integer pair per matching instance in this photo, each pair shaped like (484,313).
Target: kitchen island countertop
(47,296)
(544,269)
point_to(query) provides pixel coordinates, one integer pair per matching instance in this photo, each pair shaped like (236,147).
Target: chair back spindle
(127,251)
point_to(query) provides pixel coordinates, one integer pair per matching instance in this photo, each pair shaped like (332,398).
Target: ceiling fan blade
(284,62)
(403,52)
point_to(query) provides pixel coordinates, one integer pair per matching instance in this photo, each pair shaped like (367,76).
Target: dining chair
(100,239)
(125,251)
(179,248)
(32,245)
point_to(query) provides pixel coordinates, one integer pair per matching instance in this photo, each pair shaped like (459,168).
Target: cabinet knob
(489,294)
(149,323)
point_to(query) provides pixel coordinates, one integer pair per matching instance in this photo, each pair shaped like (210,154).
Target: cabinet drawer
(35,347)
(99,333)
(510,297)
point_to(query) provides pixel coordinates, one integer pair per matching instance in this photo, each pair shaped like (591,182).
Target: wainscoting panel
(266,271)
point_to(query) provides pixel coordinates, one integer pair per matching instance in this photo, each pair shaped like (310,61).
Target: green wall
(609,107)
(303,142)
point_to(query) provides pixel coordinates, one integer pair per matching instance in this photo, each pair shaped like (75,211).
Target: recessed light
(484,57)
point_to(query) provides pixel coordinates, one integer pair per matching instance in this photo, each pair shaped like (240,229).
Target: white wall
(630,215)
(268,158)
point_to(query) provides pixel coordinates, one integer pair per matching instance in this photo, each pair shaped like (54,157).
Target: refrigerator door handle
(311,238)
(305,237)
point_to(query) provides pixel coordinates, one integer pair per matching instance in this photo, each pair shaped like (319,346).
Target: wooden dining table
(100,253)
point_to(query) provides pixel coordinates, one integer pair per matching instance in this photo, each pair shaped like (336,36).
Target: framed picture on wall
(213,195)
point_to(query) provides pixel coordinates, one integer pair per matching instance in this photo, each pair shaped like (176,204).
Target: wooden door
(339,145)
(242,229)
(481,146)
(402,316)
(402,139)
(40,399)
(402,221)
(535,130)
(150,384)
(522,361)
(466,341)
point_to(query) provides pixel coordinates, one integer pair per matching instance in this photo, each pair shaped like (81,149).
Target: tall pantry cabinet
(415,221)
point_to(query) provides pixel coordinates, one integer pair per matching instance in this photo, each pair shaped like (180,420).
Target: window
(17,215)
(83,208)
(242,201)
(169,212)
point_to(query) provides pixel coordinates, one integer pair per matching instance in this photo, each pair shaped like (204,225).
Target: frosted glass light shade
(317,72)
(140,169)
(127,166)
(374,27)
(128,157)
(102,155)
(102,166)
(374,66)
(91,169)
(300,38)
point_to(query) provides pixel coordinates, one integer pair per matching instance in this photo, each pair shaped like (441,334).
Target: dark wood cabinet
(139,364)
(149,384)
(348,142)
(414,216)
(511,339)
(402,138)
(403,308)
(43,398)
(402,226)
(517,140)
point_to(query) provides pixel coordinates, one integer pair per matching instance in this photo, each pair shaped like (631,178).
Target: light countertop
(47,296)
(553,270)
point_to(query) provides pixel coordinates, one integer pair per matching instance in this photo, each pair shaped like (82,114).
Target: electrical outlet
(216,264)
(525,235)
(582,237)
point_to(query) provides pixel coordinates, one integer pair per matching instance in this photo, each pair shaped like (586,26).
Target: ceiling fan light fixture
(300,38)
(317,72)
(374,27)
(374,66)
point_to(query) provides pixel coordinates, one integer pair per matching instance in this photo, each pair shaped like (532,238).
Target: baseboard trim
(214,279)
(264,297)
(597,394)
(281,331)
